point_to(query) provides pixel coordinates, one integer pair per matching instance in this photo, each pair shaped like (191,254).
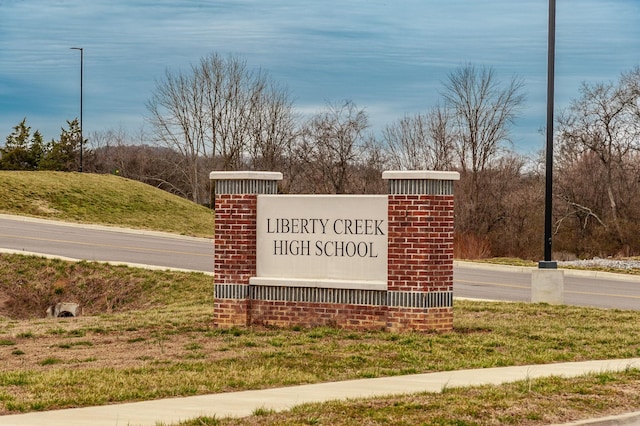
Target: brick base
(418,319)
(287,314)
(356,309)
(229,313)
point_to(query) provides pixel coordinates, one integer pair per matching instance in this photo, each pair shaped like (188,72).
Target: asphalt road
(170,251)
(101,243)
(581,288)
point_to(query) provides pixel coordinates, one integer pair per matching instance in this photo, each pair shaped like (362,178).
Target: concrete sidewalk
(239,404)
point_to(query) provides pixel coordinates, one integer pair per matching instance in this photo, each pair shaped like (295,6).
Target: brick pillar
(235,200)
(420,259)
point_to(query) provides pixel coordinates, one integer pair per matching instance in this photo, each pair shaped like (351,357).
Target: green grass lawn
(154,339)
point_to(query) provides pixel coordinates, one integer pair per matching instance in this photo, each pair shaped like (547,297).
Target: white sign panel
(322,237)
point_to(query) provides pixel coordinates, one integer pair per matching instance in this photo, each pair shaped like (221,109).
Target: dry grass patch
(159,341)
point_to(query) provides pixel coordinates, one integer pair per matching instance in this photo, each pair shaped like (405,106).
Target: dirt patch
(42,207)
(125,320)
(27,291)
(83,342)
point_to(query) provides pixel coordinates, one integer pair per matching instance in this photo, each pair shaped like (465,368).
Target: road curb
(102,227)
(107,262)
(529,269)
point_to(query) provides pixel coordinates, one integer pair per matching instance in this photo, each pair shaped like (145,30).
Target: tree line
(25,151)
(221,115)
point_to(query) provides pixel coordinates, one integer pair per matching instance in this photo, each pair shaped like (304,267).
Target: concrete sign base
(547,286)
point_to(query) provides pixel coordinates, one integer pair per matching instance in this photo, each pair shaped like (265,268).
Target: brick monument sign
(351,261)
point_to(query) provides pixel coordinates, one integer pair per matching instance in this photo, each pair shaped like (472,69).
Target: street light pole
(81,78)
(548,203)
(547,282)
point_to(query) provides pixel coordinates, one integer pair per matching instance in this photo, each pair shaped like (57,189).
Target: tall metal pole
(81,108)
(548,202)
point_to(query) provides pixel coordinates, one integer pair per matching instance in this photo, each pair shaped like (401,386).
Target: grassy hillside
(101,199)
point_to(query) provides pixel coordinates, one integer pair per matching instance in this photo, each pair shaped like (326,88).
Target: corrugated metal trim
(439,299)
(245,186)
(319,295)
(231,291)
(420,187)
(352,296)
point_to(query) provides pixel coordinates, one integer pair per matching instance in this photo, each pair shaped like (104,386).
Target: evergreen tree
(63,155)
(37,149)
(21,151)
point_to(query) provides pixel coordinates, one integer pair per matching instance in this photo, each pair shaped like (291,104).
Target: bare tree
(374,160)
(178,119)
(483,110)
(603,125)
(274,130)
(231,95)
(421,141)
(331,147)
(224,113)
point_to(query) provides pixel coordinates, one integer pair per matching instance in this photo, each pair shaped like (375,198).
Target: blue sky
(389,57)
